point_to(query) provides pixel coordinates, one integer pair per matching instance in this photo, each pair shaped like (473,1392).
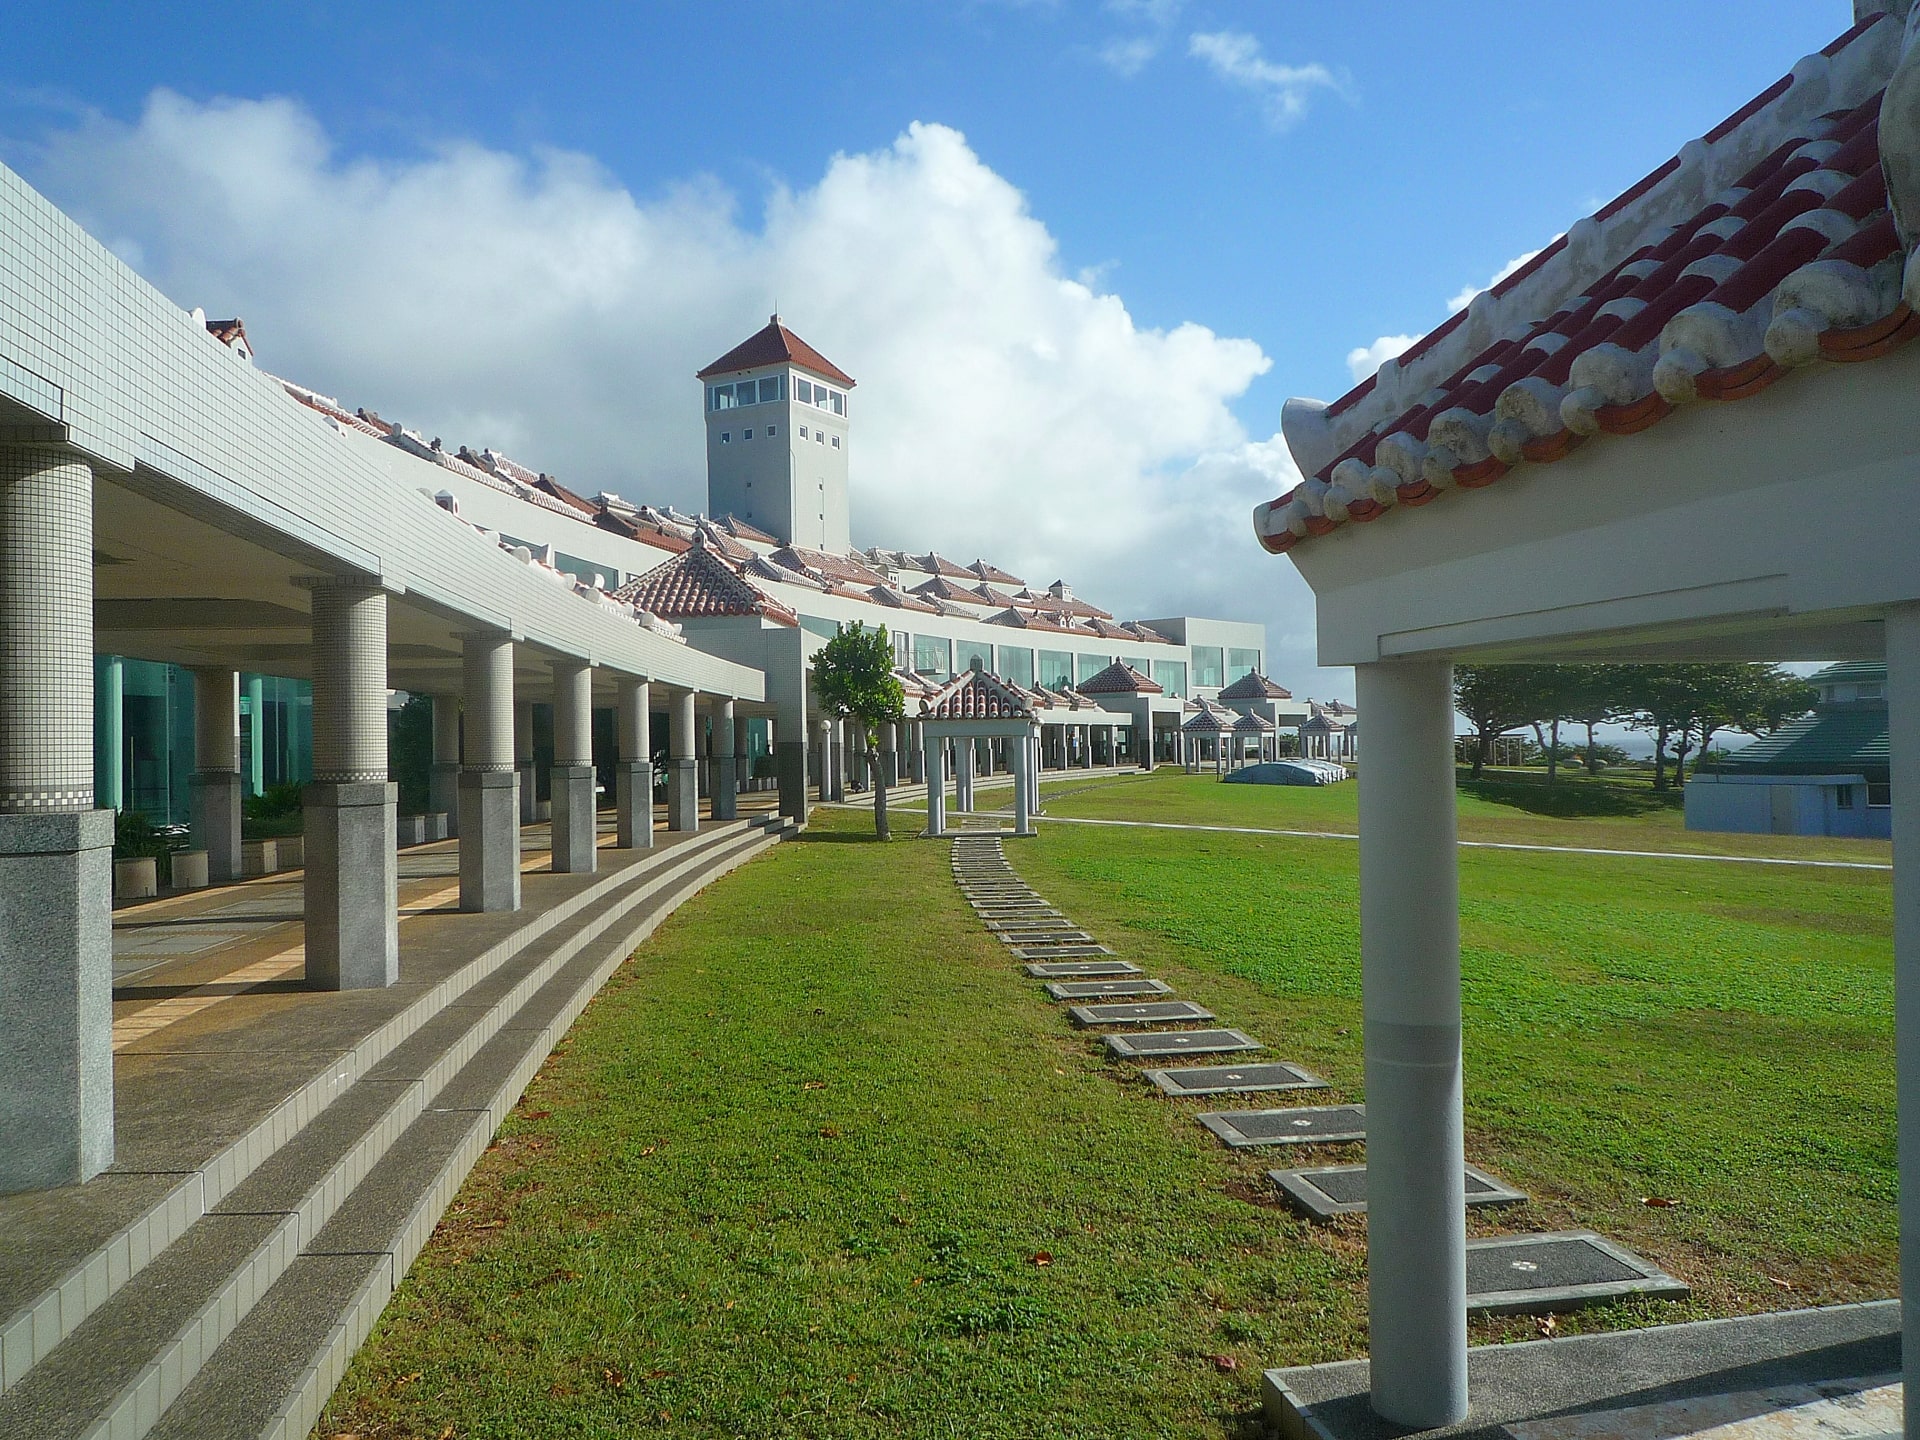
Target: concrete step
(286,1356)
(293,1178)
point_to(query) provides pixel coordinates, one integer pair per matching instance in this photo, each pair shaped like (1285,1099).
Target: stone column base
(529,794)
(792,762)
(443,794)
(573,818)
(216,797)
(56,998)
(352,884)
(683,795)
(726,793)
(489,840)
(633,804)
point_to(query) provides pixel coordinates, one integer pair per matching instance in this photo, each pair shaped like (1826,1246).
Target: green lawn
(791,1173)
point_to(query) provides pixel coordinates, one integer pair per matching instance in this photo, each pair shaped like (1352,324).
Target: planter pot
(136,879)
(259,857)
(189,869)
(292,851)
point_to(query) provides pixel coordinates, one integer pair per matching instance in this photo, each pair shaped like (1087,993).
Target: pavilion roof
(1119,678)
(1255,686)
(1763,247)
(701,583)
(976,695)
(775,344)
(1252,724)
(1209,720)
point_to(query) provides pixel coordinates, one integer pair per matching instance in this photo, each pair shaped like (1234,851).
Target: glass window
(1207,665)
(769,389)
(815,625)
(819,437)
(803,432)
(1055,668)
(969,653)
(747,434)
(839,403)
(902,650)
(772,430)
(1091,665)
(726,437)
(836,442)
(1241,662)
(803,391)
(1171,676)
(1843,794)
(933,655)
(1016,665)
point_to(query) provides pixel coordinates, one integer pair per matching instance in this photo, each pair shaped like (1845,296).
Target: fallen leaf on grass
(536,1114)
(1043,1259)
(614,1378)
(649,1149)
(1782,1284)
(1225,1362)
(1658,1202)
(829,1132)
(814,1085)
(1548,1326)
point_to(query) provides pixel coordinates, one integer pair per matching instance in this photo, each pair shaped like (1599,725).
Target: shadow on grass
(1573,797)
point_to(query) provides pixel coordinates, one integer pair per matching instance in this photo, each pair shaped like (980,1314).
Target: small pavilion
(1256,729)
(1686,430)
(1121,687)
(972,707)
(1204,736)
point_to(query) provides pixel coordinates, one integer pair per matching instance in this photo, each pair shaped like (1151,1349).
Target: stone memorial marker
(1330,1190)
(1097,989)
(1533,1274)
(1234,1079)
(1159,1044)
(1056,969)
(1307,1125)
(1151,1012)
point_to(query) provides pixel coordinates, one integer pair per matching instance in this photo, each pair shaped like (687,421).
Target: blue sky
(1302,177)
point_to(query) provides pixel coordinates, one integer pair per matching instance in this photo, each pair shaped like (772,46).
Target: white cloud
(1284,90)
(1464,297)
(1006,408)
(1128,55)
(1363,360)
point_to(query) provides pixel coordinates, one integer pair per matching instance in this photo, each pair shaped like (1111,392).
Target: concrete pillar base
(56,998)
(726,801)
(216,821)
(633,804)
(792,760)
(352,885)
(489,840)
(683,795)
(529,794)
(443,794)
(573,818)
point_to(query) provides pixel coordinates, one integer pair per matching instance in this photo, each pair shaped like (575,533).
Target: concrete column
(56,850)
(726,770)
(790,750)
(523,762)
(742,755)
(633,772)
(837,758)
(917,754)
(571,778)
(683,769)
(963,763)
(1017,760)
(1143,742)
(890,753)
(109,735)
(256,735)
(1903,741)
(937,788)
(443,781)
(1410,983)
(490,781)
(216,771)
(353,875)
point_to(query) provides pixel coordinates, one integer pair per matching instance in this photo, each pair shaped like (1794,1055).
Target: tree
(853,679)
(1687,705)
(1496,699)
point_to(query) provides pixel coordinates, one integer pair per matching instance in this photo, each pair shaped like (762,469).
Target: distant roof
(1251,724)
(1836,740)
(1255,686)
(1119,678)
(776,345)
(700,583)
(994,574)
(976,695)
(1871,671)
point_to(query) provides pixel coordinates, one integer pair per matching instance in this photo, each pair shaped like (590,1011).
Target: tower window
(772,430)
(819,437)
(803,390)
(836,442)
(726,437)
(747,434)
(803,432)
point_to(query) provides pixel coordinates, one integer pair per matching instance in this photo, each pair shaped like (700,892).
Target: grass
(793,1171)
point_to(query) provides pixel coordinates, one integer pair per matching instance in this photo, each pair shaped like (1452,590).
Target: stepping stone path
(1507,1274)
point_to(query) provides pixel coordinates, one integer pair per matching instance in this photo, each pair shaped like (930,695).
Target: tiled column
(726,777)
(1017,758)
(56,850)
(837,758)
(490,806)
(523,761)
(1143,741)
(890,753)
(936,786)
(633,772)
(790,746)
(216,771)
(1903,744)
(742,754)
(443,781)
(965,761)
(570,780)
(1410,996)
(917,755)
(352,884)
(683,778)
(109,736)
